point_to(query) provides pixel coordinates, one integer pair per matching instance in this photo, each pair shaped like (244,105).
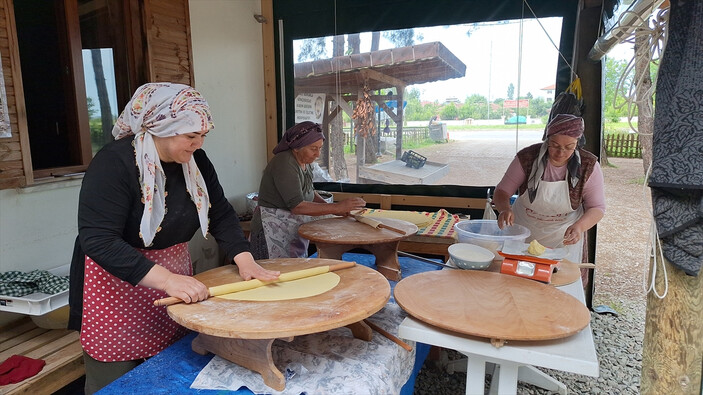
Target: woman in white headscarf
(142,199)
(560,187)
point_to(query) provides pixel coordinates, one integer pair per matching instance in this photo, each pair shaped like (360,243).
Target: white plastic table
(516,360)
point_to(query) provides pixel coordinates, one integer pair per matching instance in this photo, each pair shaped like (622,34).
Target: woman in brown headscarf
(287,197)
(560,187)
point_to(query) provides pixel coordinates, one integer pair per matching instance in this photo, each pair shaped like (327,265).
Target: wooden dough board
(361,292)
(347,230)
(568,272)
(491,305)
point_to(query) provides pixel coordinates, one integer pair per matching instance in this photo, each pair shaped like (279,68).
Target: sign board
(309,107)
(523,103)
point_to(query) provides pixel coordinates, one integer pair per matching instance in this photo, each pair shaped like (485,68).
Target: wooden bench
(60,348)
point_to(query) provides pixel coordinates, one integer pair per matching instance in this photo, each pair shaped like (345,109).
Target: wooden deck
(60,348)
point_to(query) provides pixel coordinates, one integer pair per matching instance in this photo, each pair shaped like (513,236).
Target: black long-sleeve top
(110,211)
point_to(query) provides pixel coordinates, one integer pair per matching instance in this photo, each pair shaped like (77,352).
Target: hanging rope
(525,3)
(656,35)
(653,244)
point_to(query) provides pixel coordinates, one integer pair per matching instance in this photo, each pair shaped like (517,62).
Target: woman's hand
(249,269)
(572,235)
(506,218)
(186,288)
(352,204)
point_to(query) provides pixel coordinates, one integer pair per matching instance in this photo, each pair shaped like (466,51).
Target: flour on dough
(286,290)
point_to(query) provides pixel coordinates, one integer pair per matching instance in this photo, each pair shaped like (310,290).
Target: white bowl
(486,233)
(470,256)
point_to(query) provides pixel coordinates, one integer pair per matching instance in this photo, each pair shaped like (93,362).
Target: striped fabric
(442,224)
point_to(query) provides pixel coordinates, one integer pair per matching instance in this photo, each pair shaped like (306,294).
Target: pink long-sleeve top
(593,189)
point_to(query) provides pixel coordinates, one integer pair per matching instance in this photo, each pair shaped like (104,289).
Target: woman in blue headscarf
(287,197)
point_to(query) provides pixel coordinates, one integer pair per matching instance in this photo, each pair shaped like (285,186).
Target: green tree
(449,111)
(312,49)
(402,37)
(613,101)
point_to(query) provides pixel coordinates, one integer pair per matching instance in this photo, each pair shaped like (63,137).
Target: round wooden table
(335,236)
(243,331)
(491,305)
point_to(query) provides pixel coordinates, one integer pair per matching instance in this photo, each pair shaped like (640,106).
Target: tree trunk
(339,164)
(103,99)
(643,81)
(375,40)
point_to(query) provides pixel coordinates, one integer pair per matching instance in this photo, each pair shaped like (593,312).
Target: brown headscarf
(300,135)
(566,125)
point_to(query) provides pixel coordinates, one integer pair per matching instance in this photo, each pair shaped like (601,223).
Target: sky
(495,56)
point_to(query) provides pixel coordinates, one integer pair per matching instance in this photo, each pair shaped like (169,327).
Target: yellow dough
(536,248)
(420,220)
(295,289)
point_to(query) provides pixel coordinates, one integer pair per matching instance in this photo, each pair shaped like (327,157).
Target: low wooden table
(243,331)
(335,236)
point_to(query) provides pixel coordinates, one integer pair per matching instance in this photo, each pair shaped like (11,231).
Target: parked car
(516,119)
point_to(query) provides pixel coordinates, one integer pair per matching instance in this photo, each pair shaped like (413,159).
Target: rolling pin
(375,224)
(255,283)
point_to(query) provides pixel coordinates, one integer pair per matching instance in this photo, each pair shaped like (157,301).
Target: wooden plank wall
(12,165)
(169,42)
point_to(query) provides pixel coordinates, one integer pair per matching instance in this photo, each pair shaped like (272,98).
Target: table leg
(253,354)
(475,375)
(531,375)
(506,374)
(386,259)
(332,251)
(361,330)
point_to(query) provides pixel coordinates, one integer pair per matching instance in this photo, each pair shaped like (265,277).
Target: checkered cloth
(442,225)
(18,284)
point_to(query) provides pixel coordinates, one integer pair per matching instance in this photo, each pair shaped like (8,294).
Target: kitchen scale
(528,266)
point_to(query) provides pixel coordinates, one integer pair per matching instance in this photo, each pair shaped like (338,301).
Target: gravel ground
(620,257)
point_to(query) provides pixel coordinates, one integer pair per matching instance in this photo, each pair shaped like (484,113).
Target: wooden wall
(166,57)
(169,43)
(12,162)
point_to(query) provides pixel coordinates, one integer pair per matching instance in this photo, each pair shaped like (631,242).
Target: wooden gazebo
(342,78)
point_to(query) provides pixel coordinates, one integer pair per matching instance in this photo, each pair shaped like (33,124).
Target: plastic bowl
(470,256)
(486,233)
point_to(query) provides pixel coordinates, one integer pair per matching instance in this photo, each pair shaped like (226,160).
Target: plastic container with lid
(486,233)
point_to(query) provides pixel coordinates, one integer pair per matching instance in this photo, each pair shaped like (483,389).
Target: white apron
(549,215)
(281,232)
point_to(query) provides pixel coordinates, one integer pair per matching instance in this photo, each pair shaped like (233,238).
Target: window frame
(133,73)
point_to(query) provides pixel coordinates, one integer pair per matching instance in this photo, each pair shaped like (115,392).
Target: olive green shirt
(284,184)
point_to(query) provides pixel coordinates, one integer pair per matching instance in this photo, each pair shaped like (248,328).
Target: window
(470,93)
(75,73)
(438,75)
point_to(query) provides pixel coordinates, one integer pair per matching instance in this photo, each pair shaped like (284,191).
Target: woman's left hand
(249,269)
(572,235)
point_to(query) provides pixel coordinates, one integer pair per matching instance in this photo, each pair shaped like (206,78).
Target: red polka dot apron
(120,321)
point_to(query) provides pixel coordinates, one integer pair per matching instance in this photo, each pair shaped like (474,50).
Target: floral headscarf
(164,110)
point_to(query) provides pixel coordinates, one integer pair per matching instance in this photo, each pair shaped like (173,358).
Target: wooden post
(672,354)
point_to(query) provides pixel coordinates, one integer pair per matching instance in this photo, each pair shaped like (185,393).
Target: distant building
(548,92)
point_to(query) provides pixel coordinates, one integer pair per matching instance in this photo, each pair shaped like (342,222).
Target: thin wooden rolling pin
(376,224)
(255,283)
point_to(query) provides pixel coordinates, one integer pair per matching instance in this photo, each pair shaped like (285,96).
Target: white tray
(37,303)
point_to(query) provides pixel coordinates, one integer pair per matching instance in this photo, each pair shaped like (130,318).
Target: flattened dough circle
(296,289)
